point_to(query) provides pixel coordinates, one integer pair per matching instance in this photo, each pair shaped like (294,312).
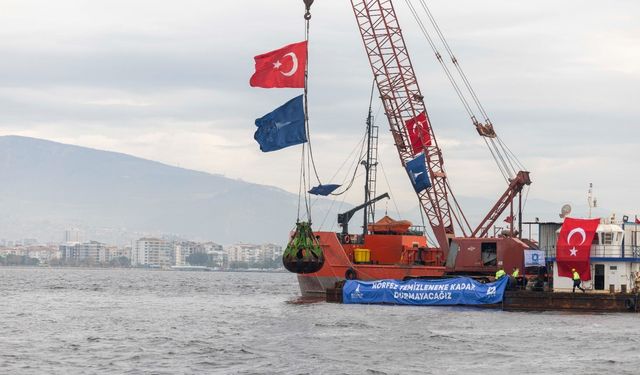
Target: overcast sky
(168,81)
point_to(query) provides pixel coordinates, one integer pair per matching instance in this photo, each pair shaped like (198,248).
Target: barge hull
(549,301)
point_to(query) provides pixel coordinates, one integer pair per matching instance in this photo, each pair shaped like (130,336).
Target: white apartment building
(92,252)
(44,253)
(152,252)
(117,252)
(72,235)
(251,253)
(215,252)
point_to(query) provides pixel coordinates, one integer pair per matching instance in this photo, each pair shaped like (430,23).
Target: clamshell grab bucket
(303,253)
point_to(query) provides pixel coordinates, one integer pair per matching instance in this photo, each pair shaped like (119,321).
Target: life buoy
(350,274)
(346,238)
(629,304)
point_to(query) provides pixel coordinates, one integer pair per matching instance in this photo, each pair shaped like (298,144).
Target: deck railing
(606,251)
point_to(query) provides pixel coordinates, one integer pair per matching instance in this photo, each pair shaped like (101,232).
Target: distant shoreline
(142,269)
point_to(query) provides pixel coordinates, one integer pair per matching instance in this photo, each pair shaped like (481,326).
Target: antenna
(593,201)
(565,211)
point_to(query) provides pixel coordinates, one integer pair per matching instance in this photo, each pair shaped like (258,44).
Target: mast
(370,166)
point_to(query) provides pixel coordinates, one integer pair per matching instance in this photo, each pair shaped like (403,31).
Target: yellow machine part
(361,255)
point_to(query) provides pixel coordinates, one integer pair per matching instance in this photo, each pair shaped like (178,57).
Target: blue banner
(457,291)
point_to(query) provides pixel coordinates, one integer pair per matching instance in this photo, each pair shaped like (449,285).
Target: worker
(500,273)
(516,272)
(576,281)
(637,282)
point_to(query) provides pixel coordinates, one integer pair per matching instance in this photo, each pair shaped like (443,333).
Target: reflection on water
(300,300)
(72,321)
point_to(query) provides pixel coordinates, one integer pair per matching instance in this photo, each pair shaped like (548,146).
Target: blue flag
(417,169)
(283,127)
(323,189)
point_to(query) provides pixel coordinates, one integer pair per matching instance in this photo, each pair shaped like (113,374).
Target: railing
(417,230)
(606,251)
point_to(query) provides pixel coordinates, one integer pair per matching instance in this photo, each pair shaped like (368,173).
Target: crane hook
(307,4)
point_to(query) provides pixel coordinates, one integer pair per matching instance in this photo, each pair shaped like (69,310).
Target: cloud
(168,81)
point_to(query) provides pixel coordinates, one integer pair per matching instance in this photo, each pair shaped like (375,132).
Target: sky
(168,81)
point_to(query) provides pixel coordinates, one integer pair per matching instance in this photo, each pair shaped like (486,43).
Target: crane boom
(402,100)
(515,186)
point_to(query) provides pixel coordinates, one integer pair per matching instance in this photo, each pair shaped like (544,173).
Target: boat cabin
(614,257)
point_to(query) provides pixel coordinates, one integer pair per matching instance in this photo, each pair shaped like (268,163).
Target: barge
(520,300)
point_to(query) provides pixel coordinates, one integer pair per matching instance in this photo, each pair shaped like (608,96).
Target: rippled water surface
(73,321)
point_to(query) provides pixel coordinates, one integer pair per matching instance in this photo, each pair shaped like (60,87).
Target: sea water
(110,321)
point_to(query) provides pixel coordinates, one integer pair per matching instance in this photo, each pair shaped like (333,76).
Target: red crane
(402,100)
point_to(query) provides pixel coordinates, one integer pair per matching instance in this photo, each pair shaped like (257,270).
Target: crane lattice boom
(402,101)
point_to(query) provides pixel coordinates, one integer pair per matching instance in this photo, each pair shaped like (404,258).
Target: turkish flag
(283,67)
(574,246)
(418,129)
(637,220)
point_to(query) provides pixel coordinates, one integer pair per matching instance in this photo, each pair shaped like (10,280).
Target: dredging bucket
(303,253)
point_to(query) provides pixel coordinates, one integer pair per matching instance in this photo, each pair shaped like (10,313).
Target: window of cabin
(607,238)
(489,253)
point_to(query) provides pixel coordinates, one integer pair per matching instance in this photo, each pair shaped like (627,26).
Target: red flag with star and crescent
(418,129)
(283,67)
(574,247)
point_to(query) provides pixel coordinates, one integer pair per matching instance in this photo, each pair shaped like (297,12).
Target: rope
(355,171)
(307,17)
(426,234)
(384,174)
(304,183)
(520,165)
(439,57)
(504,158)
(502,163)
(457,212)
(454,60)
(504,175)
(300,182)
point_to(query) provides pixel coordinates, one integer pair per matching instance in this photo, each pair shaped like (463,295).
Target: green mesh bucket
(303,253)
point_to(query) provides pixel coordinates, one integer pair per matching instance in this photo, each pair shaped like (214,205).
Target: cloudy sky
(168,81)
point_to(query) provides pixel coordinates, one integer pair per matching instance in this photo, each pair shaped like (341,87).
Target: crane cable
(508,155)
(426,34)
(498,149)
(495,152)
(466,82)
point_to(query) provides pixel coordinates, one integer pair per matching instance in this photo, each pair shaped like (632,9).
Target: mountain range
(49,187)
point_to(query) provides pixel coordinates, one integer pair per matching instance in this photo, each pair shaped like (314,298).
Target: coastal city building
(72,235)
(250,253)
(89,253)
(116,252)
(152,252)
(144,252)
(216,256)
(43,253)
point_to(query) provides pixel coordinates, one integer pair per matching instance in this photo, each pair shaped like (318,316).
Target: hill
(112,197)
